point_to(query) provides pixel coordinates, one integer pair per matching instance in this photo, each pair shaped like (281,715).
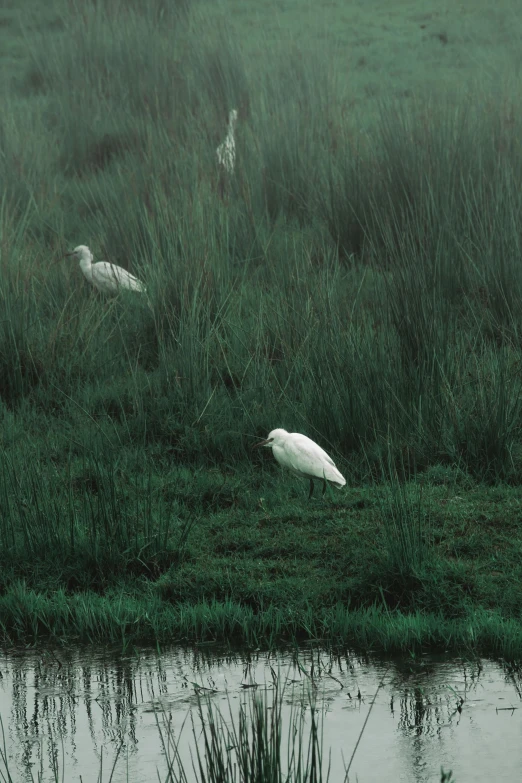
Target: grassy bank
(199,555)
(361,286)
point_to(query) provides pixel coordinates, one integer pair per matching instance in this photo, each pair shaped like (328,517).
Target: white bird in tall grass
(226,152)
(303,457)
(106,277)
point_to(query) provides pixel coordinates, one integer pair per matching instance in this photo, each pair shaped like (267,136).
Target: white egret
(303,457)
(106,277)
(226,152)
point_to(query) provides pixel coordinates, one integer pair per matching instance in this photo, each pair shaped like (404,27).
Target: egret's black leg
(311,489)
(324,486)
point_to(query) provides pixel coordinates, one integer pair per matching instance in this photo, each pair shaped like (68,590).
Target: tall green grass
(86,528)
(366,290)
(406,528)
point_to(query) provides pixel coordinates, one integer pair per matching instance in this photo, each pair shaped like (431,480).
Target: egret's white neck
(86,264)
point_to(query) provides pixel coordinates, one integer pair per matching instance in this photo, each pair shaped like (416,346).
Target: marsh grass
(251,746)
(254,746)
(407,528)
(255,304)
(87,529)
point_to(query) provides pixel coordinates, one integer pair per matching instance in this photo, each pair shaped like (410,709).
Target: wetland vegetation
(357,279)
(210,714)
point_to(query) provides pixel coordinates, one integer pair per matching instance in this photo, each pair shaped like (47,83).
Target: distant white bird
(303,457)
(106,277)
(226,152)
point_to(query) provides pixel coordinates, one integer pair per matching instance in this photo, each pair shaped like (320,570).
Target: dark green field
(358,279)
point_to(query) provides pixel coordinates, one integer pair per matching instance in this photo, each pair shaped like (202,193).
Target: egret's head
(273,438)
(80,252)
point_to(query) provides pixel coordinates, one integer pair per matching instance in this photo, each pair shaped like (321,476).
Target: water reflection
(75,709)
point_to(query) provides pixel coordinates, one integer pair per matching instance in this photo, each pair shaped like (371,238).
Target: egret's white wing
(109,277)
(226,155)
(308,459)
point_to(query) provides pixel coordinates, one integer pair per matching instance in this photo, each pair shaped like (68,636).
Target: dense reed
(370,293)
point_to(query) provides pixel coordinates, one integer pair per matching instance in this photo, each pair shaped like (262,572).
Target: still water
(75,708)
